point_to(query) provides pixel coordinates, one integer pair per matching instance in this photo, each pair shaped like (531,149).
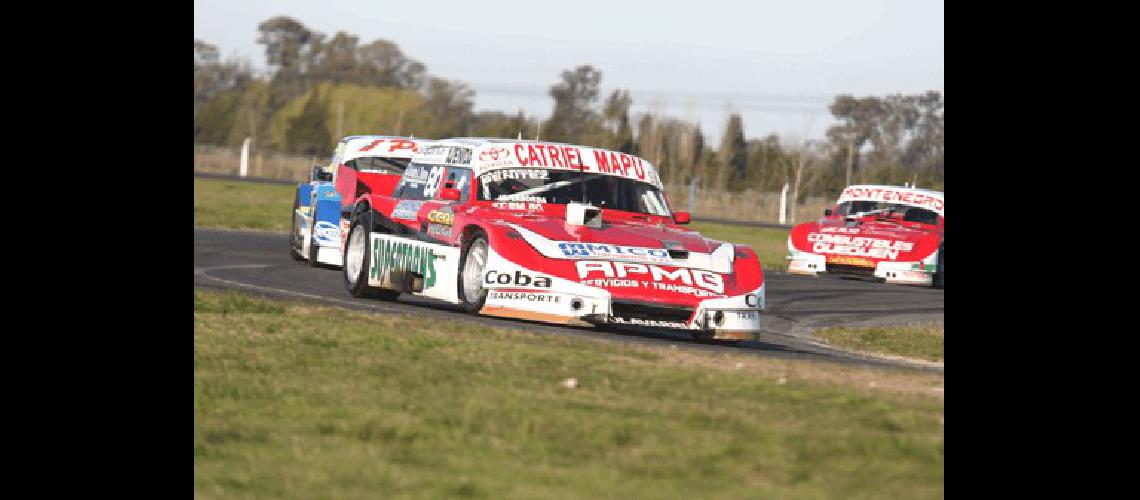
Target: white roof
(923,198)
(486,154)
(383,146)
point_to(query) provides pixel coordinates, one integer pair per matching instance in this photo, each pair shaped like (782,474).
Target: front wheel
(472,266)
(355,263)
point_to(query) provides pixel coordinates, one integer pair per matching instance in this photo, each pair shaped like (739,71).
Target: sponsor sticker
(441,217)
(525,296)
(516,173)
(517,205)
(495,154)
(850,261)
(602,251)
(407,209)
(858,246)
(439,230)
(326,232)
(389,255)
(647,322)
(886,194)
(650,277)
(519,278)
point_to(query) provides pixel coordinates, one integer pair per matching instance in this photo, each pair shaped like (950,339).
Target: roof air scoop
(581,214)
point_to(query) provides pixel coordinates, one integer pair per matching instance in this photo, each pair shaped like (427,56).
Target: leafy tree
(903,132)
(732,158)
(337,63)
(285,39)
(383,64)
(308,132)
(616,113)
(450,104)
(574,97)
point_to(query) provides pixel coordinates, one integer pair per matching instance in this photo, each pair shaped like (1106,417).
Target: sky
(776,63)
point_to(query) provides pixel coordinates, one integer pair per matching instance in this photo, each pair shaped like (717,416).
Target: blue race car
(317,222)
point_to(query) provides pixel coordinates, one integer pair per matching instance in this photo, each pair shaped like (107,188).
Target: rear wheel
(357,256)
(293,237)
(472,266)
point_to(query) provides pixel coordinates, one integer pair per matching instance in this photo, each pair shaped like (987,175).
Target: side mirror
(827,211)
(450,194)
(682,217)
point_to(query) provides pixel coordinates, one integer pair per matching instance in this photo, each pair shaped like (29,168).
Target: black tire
(475,304)
(357,286)
(938,281)
(293,239)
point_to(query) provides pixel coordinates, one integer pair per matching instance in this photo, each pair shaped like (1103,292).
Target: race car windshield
(378,165)
(852,209)
(561,187)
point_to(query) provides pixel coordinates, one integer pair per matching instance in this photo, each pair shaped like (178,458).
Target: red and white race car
(890,233)
(549,232)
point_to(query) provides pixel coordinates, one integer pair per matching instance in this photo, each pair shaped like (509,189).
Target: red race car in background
(548,232)
(890,233)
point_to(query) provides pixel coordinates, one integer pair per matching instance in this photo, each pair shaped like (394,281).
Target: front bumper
(569,302)
(905,273)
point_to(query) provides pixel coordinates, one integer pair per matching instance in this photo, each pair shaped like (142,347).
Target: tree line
(319,89)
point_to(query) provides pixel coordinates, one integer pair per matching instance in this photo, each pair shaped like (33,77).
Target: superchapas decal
(859,246)
(624,274)
(389,255)
(575,250)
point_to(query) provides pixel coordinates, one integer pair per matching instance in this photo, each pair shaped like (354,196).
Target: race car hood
(869,240)
(645,261)
(622,240)
(616,232)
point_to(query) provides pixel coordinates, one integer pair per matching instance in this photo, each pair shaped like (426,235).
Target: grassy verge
(771,245)
(319,402)
(246,205)
(242,205)
(913,341)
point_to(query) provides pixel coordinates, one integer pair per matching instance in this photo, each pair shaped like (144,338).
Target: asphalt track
(259,262)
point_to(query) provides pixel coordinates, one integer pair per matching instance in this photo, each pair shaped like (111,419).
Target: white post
(244,168)
(784,204)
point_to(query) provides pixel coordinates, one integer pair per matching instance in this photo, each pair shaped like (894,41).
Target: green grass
(242,205)
(914,341)
(318,402)
(246,205)
(771,245)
